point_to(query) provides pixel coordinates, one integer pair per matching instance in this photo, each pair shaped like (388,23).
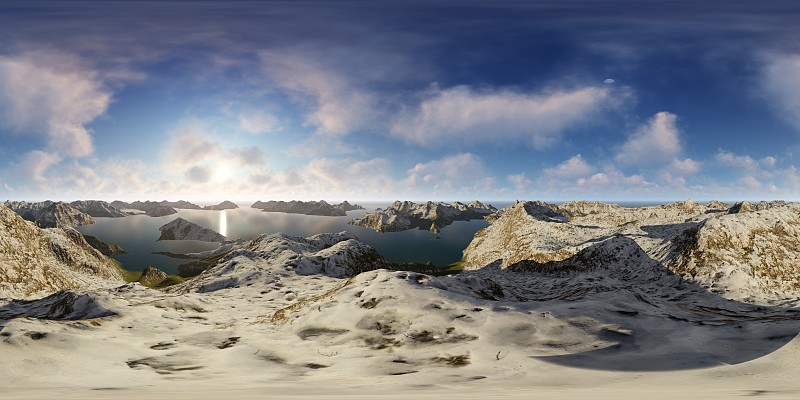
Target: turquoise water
(137,234)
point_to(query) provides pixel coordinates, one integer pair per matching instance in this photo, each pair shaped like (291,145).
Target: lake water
(138,235)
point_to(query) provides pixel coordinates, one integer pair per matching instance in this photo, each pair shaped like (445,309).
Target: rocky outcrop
(747,255)
(36,262)
(181,229)
(431,216)
(98,208)
(742,207)
(152,276)
(103,247)
(321,208)
(49,214)
(225,205)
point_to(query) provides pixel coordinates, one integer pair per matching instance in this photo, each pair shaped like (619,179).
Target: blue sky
(387,100)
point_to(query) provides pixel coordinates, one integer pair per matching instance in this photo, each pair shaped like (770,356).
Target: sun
(223,172)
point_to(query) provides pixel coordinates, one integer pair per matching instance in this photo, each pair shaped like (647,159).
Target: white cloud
(686,166)
(519,181)
(198,174)
(780,84)
(52,95)
(729,159)
(345,175)
(653,143)
(450,175)
(34,166)
(258,122)
(750,182)
(250,156)
(340,107)
(571,168)
(465,115)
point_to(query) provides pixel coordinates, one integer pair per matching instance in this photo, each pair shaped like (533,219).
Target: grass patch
(195,268)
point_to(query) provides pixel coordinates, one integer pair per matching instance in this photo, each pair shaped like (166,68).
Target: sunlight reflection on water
(223,223)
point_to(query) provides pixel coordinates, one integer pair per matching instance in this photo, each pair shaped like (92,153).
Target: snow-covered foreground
(285,317)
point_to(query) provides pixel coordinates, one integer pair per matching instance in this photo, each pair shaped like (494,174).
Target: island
(321,207)
(432,216)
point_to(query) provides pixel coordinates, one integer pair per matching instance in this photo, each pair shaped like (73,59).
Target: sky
(384,100)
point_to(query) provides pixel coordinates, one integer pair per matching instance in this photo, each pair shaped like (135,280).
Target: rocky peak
(97,208)
(181,229)
(742,207)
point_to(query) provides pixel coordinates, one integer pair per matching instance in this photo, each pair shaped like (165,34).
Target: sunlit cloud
(52,95)
(473,116)
(655,142)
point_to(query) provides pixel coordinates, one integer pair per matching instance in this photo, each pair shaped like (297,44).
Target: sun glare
(222,172)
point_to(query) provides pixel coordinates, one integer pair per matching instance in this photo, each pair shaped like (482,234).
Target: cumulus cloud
(728,159)
(655,142)
(52,95)
(571,168)
(780,85)
(339,106)
(472,116)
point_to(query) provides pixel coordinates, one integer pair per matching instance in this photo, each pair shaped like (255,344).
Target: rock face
(48,214)
(431,216)
(747,256)
(181,229)
(35,262)
(338,255)
(225,205)
(97,208)
(321,207)
(103,247)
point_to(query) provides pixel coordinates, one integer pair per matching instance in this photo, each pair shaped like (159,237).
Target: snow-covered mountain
(181,229)
(49,214)
(97,208)
(744,255)
(36,262)
(403,215)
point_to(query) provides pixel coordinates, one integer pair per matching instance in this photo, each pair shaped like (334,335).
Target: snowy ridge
(746,256)
(36,262)
(337,255)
